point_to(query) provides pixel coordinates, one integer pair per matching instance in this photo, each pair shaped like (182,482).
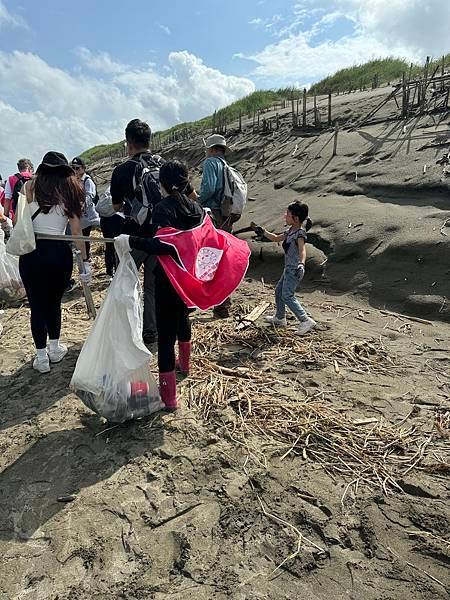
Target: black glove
(257,229)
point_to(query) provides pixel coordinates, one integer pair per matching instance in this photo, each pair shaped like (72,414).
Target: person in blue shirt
(211,193)
(212,186)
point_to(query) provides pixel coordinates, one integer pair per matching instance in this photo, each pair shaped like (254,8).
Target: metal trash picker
(79,238)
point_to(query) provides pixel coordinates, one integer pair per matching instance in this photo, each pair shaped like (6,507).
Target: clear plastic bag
(112,375)
(11,286)
(22,240)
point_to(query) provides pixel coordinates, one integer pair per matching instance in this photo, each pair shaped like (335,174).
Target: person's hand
(86,277)
(122,243)
(300,270)
(257,229)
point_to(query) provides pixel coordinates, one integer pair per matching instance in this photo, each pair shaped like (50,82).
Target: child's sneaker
(305,326)
(278,322)
(42,365)
(56,354)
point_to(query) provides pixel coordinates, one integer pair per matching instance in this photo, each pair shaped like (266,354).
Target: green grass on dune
(360,76)
(352,78)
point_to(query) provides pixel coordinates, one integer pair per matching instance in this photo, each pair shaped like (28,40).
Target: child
(294,246)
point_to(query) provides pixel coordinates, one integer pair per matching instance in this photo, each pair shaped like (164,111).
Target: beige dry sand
(170,507)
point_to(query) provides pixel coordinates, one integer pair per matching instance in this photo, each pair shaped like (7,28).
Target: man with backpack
(15,183)
(224,191)
(135,191)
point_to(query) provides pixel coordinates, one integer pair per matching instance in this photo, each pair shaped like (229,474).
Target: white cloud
(44,108)
(10,20)
(419,25)
(100,61)
(406,28)
(164,28)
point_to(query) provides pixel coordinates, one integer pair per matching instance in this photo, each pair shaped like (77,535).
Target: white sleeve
(89,190)
(8,190)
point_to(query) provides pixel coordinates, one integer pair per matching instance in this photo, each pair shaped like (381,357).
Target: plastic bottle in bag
(121,401)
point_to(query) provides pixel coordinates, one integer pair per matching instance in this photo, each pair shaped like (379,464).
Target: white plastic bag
(11,286)
(112,375)
(22,240)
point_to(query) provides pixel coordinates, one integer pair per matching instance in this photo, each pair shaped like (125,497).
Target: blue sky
(73,74)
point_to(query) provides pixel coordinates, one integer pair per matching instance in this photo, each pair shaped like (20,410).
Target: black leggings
(45,273)
(172,320)
(87,232)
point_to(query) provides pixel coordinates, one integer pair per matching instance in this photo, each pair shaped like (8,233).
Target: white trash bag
(11,286)
(112,375)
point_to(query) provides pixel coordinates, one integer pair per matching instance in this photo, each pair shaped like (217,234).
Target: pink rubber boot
(168,390)
(184,357)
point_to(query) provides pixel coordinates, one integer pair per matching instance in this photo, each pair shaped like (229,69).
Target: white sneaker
(42,365)
(57,355)
(305,326)
(277,322)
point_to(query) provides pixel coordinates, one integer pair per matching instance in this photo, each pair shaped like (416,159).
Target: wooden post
(443,73)
(240,120)
(336,131)
(404,98)
(258,120)
(293,110)
(423,95)
(278,121)
(329,109)
(315,110)
(304,108)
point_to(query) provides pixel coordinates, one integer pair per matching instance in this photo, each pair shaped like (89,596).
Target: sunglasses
(76,168)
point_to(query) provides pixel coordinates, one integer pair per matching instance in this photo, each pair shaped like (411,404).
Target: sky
(73,74)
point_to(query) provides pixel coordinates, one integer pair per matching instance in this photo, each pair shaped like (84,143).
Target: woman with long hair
(55,197)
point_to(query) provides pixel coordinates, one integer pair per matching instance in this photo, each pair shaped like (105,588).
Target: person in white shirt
(55,199)
(90,217)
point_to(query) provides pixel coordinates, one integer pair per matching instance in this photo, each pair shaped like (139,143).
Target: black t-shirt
(122,189)
(170,212)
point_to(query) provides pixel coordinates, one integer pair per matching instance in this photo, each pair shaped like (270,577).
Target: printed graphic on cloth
(211,263)
(207,263)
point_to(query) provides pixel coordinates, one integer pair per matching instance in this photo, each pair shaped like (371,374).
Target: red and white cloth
(211,263)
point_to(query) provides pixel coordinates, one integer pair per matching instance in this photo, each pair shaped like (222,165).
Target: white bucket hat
(215,140)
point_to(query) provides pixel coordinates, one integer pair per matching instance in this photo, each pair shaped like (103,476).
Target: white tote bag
(112,375)
(22,240)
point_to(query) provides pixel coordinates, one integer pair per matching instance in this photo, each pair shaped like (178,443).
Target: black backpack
(146,190)
(21,181)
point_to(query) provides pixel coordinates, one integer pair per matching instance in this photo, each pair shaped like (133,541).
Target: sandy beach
(295,468)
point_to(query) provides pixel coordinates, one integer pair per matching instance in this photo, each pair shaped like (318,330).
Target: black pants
(45,273)
(172,321)
(226,224)
(111,227)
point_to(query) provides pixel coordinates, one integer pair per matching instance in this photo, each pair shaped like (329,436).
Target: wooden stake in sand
(86,289)
(336,131)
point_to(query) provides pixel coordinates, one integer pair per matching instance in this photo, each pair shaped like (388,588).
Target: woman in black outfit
(55,199)
(172,318)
